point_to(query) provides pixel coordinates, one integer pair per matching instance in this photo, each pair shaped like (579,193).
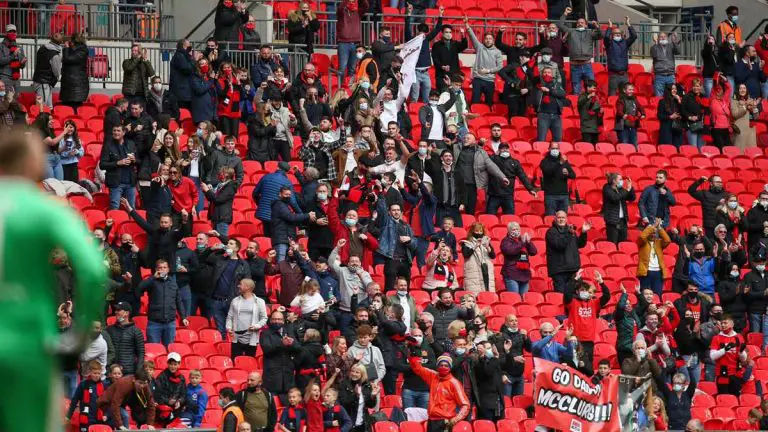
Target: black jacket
(435,171)
(734,303)
(285,221)
(727,58)
(426,115)
(489,386)
(298,34)
(758,291)
(411,381)
(220,159)
(349,400)
(43,68)
(563,249)
(512,170)
(444,54)
(389,337)
(308,363)
(242,396)
(148,165)
(278,366)
(257,266)
(168,387)
(112,117)
(142,138)
(159,201)
(444,316)
(164,299)
(129,346)
(710,60)
(613,199)
(678,408)
(709,200)
(553,181)
(319,236)
(220,209)
(260,138)
(691,107)
(681,305)
(227,23)
(74,74)
(756,216)
(219,263)
(111,153)
(160,243)
(182,68)
(520,343)
(188,259)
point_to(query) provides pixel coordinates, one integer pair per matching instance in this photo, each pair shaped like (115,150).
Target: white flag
(410,55)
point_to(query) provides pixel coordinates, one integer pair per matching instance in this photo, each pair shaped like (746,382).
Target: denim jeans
(708,82)
(515,286)
(422,245)
(693,371)
(70,382)
(282,250)
(484,89)
(163,333)
(660,82)
(415,399)
(549,122)
(347,60)
(653,280)
(764,89)
(200,196)
(555,203)
(55,169)
(422,85)
(515,387)
(579,73)
(186,299)
(45,91)
(220,309)
(628,135)
(203,302)
(759,323)
(507,205)
(695,139)
(222,228)
(122,191)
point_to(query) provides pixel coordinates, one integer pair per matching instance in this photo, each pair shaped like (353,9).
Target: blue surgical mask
(322,196)
(460,351)
(365,85)
(735,19)
(733,205)
(364,106)
(200,133)
(677,387)
(504,154)
(422,151)
(350,222)
(2,94)
(489,354)
(620,183)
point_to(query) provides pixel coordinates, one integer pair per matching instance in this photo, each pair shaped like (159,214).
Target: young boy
(196,402)
(293,418)
(446,235)
(335,417)
(86,395)
(149,366)
(114,375)
(603,371)
(170,391)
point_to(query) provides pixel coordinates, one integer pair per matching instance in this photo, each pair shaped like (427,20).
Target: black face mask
(127,246)
(450,135)
(250,254)
(478,235)
(698,255)
(716,189)
(717,315)
(693,295)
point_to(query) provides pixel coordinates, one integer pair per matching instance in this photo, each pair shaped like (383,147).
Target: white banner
(410,55)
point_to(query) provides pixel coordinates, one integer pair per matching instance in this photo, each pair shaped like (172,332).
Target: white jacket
(259,319)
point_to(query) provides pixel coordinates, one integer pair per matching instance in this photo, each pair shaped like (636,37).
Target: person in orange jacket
(448,404)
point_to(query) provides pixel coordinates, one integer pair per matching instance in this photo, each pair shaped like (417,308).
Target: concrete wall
(617,11)
(751,12)
(188,13)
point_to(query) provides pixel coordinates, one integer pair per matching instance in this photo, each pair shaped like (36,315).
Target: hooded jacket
(563,249)
(709,200)
(371,356)
(48,64)
(129,346)
(489,58)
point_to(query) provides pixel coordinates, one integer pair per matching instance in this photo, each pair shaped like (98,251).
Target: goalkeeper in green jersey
(32,224)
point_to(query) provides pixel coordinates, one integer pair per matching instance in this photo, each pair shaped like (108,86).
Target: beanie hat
(445,358)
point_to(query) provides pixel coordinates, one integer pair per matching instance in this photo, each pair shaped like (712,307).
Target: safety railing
(106,62)
(99,20)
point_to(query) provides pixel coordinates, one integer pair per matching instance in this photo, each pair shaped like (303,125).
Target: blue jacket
(742,74)
(556,352)
(703,274)
(285,221)
(267,191)
(246,105)
(261,69)
(388,237)
(618,52)
(328,282)
(649,203)
(427,209)
(197,401)
(204,99)
(182,68)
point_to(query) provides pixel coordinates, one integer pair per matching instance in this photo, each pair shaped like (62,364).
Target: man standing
(448,404)
(127,339)
(257,265)
(118,159)
(396,243)
(12,59)
(617,52)
(352,280)
(247,316)
(228,271)
(511,345)
(549,100)
(729,25)
(348,23)
(182,67)
(258,404)
(285,222)
(445,56)
(563,246)
(664,61)
(617,192)
(232,417)
(267,191)
(555,173)
(186,266)
(278,348)
(581,48)
(501,195)
(422,85)
(656,200)
(137,70)
(48,68)
(488,62)
(448,186)
(164,304)
(476,168)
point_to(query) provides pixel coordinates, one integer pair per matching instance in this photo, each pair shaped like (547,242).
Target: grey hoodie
(347,280)
(581,43)
(56,60)
(371,356)
(485,58)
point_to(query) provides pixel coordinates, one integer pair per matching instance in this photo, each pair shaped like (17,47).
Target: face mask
(763,203)
(584,295)
(443,371)
(352,269)
(127,246)
(363,106)
(221,403)
(677,387)
(733,205)
(546,58)
(422,151)
(322,196)
(548,78)
(418,339)
(450,135)
(163,275)
(693,296)
(366,85)
(386,39)
(716,315)
(204,69)
(489,354)
(698,255)
(504,154)
(11,37)
(350,222)
(581,29)
(555,152)
(432,102)
(760,267)
(735,19)
(201,247)
(200,133)
(640,353)
(735,274)
(460,351)
(2,94)
(478,235)
(663,42)
(157,87)
(286,199)
(359,55)
(553,34)
(250,254)
(620,183)
(732,42)
(402,293)
(250,26)
(275,327)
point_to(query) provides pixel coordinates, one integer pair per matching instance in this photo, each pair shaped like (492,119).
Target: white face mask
(418,339)
(617,38)
(640,353)
(733,205)
(432,102)
(764,203)
(663,42)
(677,387)
(157,87)
(402,293)
(553,34)
(363,106)
(359,55)
(546,58)
(581,29)
(504,154)
(760,267)
(555,152)
(584,295)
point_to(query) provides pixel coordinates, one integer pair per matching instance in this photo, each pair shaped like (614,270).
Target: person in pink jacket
(720,107)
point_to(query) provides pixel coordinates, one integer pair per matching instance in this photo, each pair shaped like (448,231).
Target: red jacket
(341,231)
(348,20)
(185,195)
(762,53)
(229,97)
(447,398)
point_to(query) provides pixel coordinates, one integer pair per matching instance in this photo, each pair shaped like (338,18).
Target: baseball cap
(10,28)
(174,356)
(122,306)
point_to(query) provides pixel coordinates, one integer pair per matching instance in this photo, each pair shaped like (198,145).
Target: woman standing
(194,164)
(204,96)
(731,215)
(70,150)
(261,133)
(45,124)
(720,107)
(338,358)
(440,270)
(356,395)
(693,109)
(74,72)
(517,250)
(743,108)
(710,63)
(478,260)
(228,90)
(302,26)
(670,119)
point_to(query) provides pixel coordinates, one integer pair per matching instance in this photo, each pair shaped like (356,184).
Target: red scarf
(87,395)
(15,64)
(444,272)
(352,7)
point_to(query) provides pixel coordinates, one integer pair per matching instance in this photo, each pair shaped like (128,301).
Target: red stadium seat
(483,426)
(386,427)
(507,425)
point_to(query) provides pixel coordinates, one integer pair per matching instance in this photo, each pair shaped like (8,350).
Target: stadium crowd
(373,273)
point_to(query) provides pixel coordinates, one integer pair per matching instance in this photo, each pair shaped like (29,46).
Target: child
(657,414)
(447,236)
(628,115)
(86,395)
(335,417)
(314,408)
(293,418)
(115,373)
(196,402)
(170,390)
(149,366)
(309,297)
(309,363)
